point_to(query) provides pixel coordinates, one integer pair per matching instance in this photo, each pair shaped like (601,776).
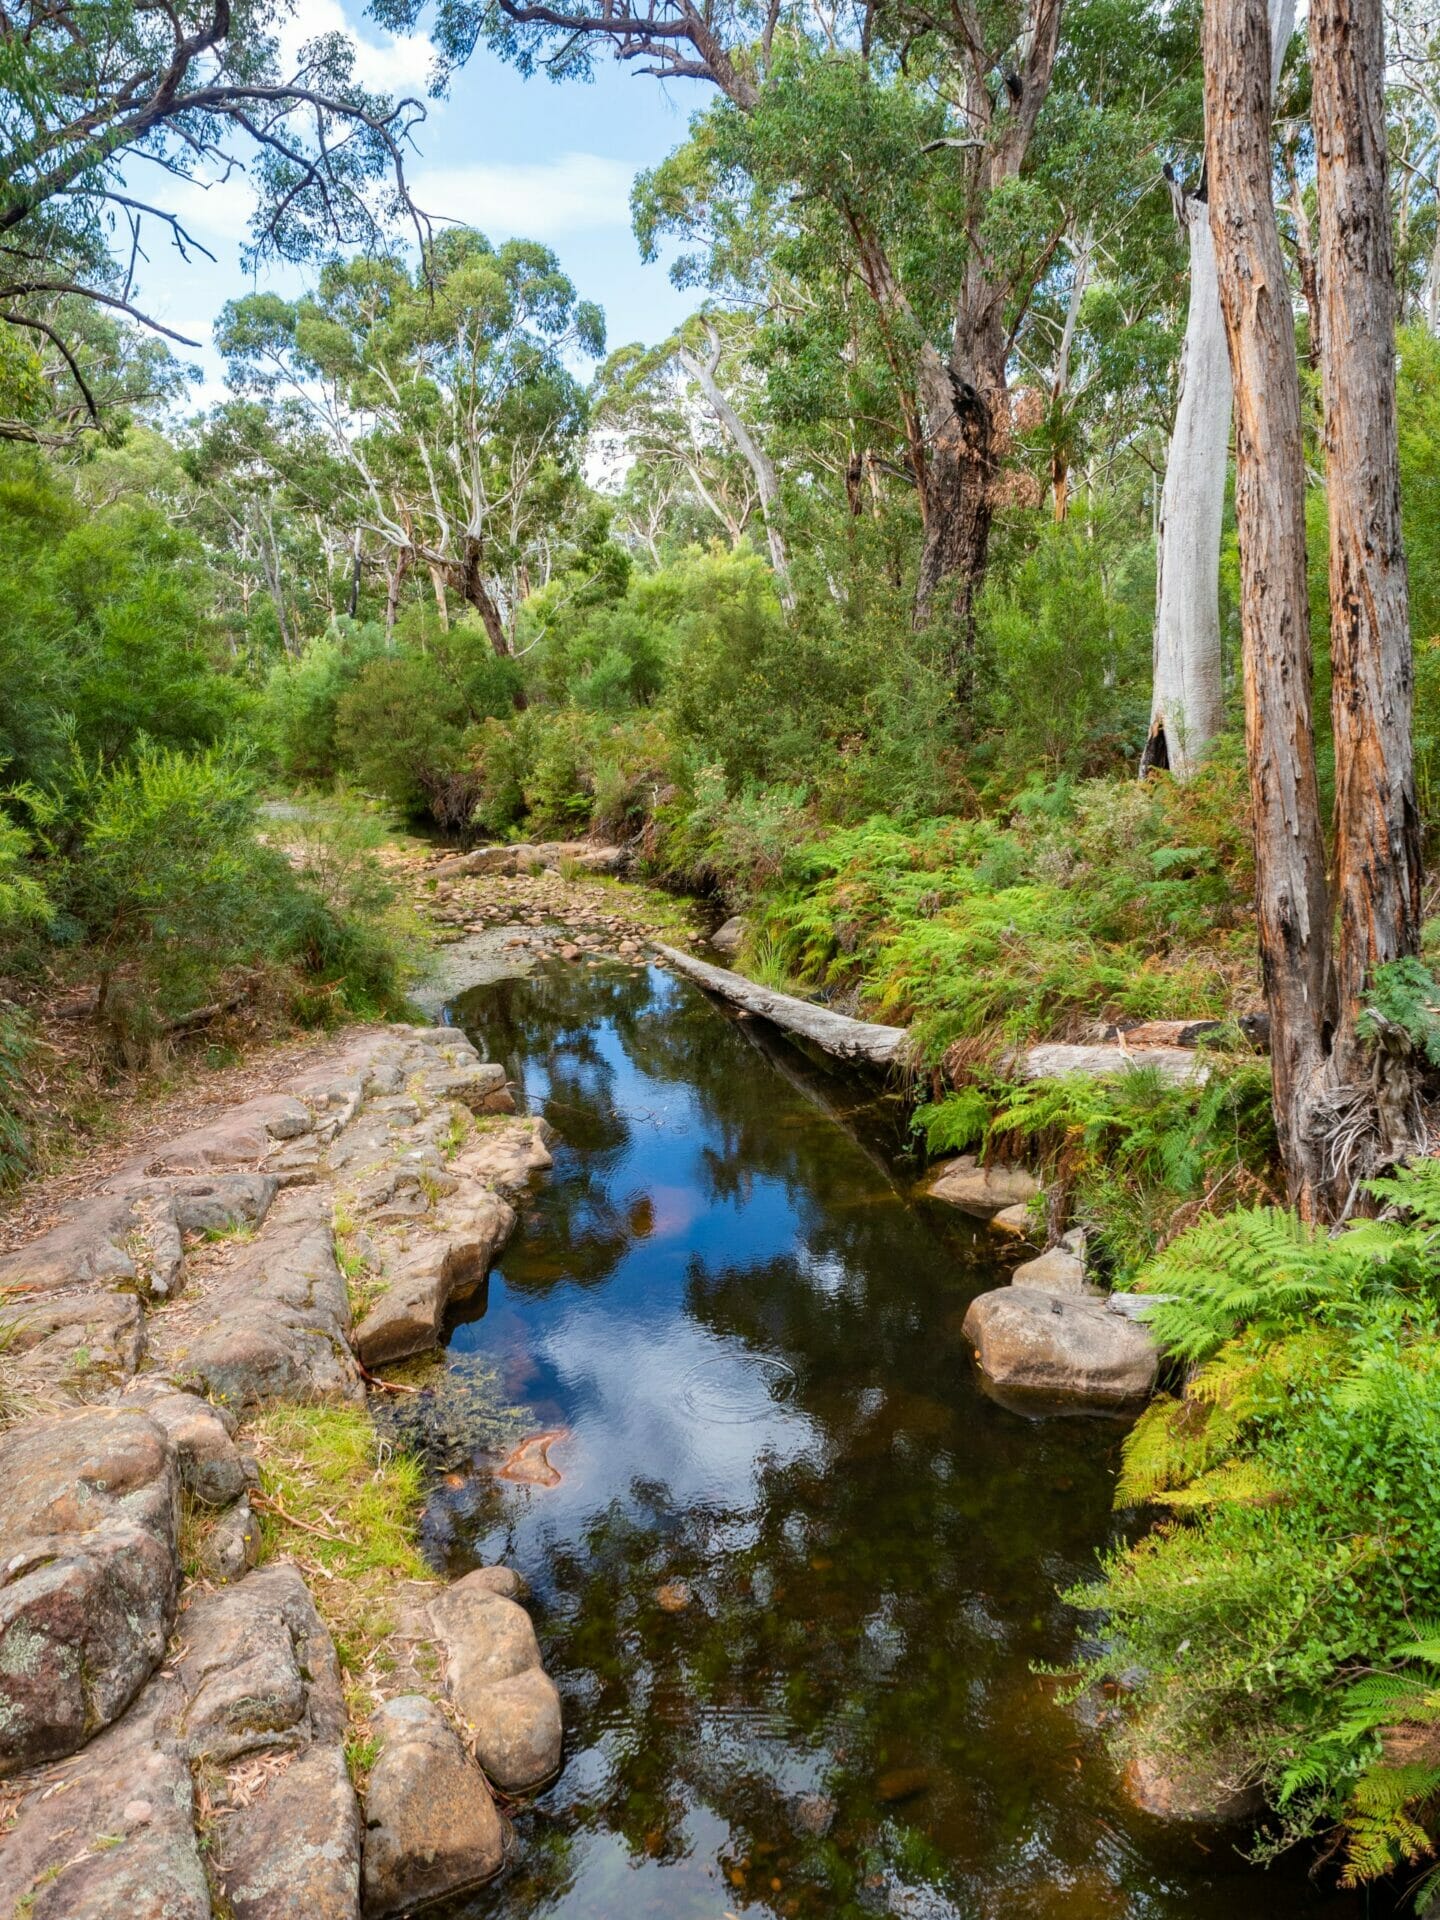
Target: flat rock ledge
(984,1191)
(181,1751)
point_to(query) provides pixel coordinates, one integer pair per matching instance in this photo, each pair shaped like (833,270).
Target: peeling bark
(1292,904)
(1188,703)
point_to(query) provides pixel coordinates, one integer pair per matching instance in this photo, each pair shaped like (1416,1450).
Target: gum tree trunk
(1292,905)
(1187,702)
(1377,826)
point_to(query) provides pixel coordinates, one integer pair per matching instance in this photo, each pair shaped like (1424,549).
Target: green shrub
(1301,1551)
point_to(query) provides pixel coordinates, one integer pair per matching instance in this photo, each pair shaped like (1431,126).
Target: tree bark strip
(1377,824)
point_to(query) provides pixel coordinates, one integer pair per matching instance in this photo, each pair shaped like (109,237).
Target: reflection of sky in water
(754,1347)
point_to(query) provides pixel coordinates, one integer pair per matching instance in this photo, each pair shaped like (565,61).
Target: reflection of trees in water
(866,1629)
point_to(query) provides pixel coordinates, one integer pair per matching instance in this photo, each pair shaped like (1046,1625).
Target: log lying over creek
(880,1046)
(835,1033)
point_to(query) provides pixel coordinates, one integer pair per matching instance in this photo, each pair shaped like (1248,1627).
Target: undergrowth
(1277,1609)
(342,1504)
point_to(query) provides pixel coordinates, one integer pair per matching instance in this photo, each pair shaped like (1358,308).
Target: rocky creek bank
(177,1738)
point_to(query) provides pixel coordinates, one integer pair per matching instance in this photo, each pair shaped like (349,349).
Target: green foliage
(1062,662)
(1130,1156)
(1280,1601)
(1405,994)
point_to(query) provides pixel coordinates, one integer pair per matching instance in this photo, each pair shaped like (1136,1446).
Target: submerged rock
(493,1674)
(89,1517)
(1176,1783)
(985,1191)
(431,1827)
(1047,1352)
(1012,1222)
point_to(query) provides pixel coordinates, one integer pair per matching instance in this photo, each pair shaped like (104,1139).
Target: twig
(267,1505)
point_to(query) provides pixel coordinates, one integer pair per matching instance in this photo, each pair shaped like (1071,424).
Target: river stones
(431,1827)
(493,1675)
(276,1325)
(426,1273)
(89,1516)
(1044,1352)
(730,937)
(131,1790)
(983,1191)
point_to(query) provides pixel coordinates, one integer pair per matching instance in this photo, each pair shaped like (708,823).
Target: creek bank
(178,1746)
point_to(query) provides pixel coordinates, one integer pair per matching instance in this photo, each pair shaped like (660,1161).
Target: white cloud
(537,200)
(392,64)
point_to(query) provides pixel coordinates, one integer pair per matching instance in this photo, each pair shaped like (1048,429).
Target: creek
(798,1574)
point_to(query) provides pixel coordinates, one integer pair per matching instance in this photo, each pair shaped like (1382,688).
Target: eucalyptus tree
(1344,1087)
(912,147)
(110,108)
(691,402)
(444,397)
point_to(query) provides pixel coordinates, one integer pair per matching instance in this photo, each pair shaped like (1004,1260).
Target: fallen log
(834,1032)
(881,1046)
(1182,1066)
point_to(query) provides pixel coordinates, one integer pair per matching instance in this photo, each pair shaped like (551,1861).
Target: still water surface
(749,1336)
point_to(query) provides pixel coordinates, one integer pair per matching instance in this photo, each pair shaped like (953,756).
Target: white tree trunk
(1187,701)
(704,373)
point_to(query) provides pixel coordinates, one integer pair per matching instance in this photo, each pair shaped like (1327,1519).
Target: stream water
(798,1572)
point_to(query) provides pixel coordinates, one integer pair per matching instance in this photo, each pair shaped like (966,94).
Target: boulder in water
(1042,1352)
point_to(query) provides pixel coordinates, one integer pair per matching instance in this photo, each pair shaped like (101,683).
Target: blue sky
(510,156)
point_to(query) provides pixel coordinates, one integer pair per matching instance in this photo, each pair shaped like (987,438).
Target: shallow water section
(797,1572)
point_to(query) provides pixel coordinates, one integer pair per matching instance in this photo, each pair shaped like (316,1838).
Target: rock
(228,1549)
(965,1184)
(474,1084)
(241,1137)
(1013,1222)
(277,1325)
(431,1827)
(1057,1271)
(1136,1306)
(258,1669)
(674,1596)
(506,1158)
(94,1245)
(422,1280)
(294,1852)
(902,1783)
(507,1701)
(530,1463)
(223,1202)
(74,1341)
(814,1814)
(730,937)
(264,1706)
(133,1787)
(211,1466)
(502,1580)
(1048,1352)
(1054,1060)
(1169,1783)
(89,1518)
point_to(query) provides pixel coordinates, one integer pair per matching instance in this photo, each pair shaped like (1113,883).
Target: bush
(1281,1605)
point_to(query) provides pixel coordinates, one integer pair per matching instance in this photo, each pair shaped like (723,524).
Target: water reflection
(798,1573)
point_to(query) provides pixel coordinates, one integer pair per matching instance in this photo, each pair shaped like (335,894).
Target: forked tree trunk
(1187,705)
(1377,824)
(762,468)
(1292,906)
(470,580)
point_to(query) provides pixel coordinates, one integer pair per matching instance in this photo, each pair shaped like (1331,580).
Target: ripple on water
(725,1394)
